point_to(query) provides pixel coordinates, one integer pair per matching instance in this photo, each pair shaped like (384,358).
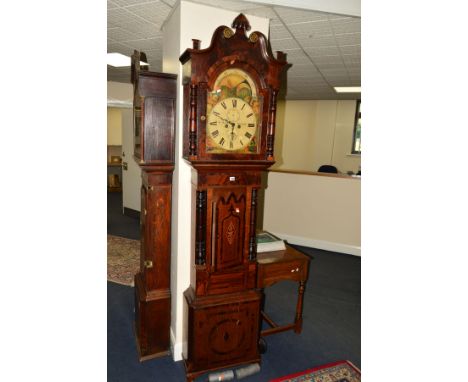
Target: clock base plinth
(152,319)
(223,331)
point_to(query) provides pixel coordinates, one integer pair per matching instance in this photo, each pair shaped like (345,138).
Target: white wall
(315,211)
(121,95)
(114,127)
(188,21)
(315,132)
(131,178)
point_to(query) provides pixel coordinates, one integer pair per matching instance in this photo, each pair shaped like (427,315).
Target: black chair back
(328,168)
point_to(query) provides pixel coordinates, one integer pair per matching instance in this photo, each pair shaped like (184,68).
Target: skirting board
(320,244)
(176,348)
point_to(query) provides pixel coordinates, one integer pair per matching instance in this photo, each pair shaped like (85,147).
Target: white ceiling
(324,48)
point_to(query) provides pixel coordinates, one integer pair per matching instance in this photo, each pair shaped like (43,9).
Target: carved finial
(241,22)
(145,60)
(280,56)
(135,65)
(196,43)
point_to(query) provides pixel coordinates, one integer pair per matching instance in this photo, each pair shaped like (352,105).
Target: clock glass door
(234,111)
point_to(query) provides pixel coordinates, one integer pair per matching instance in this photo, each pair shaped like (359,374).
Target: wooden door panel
(229,228)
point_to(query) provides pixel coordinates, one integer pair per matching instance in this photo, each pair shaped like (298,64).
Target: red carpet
(342,371)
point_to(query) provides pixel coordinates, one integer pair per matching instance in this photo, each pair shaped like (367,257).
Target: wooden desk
(288,264)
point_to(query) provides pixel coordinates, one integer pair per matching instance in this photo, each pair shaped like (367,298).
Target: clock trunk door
(228,228)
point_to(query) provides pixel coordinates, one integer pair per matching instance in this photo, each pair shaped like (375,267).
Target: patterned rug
(123,259)
(342,371)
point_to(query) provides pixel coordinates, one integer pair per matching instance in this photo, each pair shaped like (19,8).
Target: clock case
(222,302)
(154,131)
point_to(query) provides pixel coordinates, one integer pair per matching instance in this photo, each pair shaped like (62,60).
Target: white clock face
(232,124)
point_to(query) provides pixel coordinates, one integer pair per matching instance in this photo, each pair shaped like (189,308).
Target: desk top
(287,255)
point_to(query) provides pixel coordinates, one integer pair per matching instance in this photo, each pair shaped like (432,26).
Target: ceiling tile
(116,16)
(329,66)
(111,4)
(226,4)
(303,71)
(295,16)
(118,48)
(146,44)
(351,49)
(120,34)
(316,41)
(348,39)
(261,12)
(126,3)
(311,29)
(349,25)
(279,32)
(154,12)
(284,44)
(296,56)
(322,51)
(324,60)
(352,59)
(141,30)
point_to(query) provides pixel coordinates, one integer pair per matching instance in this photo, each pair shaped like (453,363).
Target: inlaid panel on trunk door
(229,227)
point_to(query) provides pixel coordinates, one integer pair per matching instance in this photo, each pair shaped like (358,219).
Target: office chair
(328,168)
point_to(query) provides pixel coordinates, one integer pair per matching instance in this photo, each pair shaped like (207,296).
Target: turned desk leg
(300,299)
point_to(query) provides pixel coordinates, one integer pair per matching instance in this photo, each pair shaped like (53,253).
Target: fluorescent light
(348,89)
(119,60)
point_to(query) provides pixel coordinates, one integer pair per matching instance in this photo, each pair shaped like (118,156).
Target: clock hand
(227,121)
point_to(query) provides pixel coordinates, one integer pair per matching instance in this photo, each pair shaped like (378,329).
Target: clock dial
(232,124)
(233,111)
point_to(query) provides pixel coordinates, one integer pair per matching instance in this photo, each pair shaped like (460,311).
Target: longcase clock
(230,92)
(154,106)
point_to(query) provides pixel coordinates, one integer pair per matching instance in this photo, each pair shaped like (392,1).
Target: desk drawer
(271,273)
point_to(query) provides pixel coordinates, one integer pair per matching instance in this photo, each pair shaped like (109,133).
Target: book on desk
(267,242)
